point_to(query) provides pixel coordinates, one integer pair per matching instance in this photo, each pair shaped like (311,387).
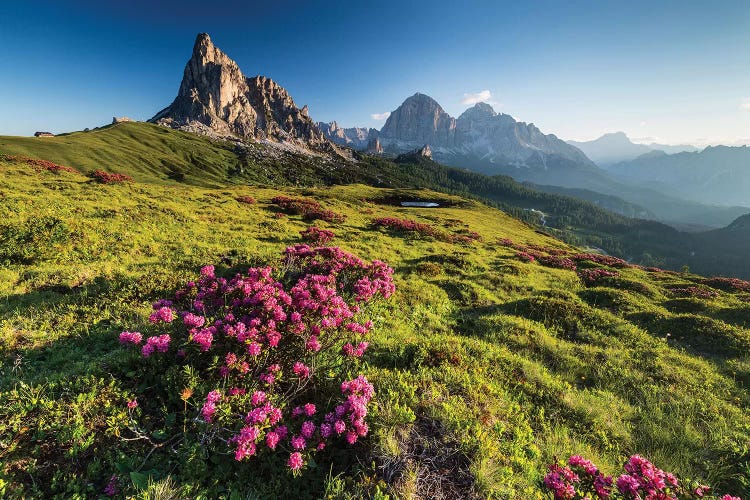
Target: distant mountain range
(617,147)
(717,175)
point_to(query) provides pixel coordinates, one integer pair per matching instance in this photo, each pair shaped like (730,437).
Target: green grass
(480,360)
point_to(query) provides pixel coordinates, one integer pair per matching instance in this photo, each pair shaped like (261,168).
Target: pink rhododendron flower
(258,398)
(159,343)
(301,370)
(131,338)
(298,442)
(111,489)
(162,315)
(295,461)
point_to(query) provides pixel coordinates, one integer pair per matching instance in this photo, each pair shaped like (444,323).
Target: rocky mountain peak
(215,98)
(480,111)
(419,120)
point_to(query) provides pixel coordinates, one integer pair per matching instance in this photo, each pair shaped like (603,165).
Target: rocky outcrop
(415,155)
(374,146)
(216,99)
(120,119)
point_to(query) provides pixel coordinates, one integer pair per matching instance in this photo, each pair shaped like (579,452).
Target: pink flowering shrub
(526,256)
(307,208)
(246,199)
(605,260)
(38,165)
(556,261)
(317,236)
(269,345)
(591,276)
(580,479)
(728,284)
(103,177)
(411,226)
(407,226)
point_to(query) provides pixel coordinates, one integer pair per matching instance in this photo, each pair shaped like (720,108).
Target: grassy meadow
(485,366)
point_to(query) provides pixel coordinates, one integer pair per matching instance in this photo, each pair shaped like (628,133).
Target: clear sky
(674,71)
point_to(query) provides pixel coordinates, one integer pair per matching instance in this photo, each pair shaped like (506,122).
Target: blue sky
(675,71)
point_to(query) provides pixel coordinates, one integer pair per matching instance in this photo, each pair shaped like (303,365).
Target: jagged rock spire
(215,98)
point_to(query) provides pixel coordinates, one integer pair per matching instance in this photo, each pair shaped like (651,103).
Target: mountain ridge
(614,147)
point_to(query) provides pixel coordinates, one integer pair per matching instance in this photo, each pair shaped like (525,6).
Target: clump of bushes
(727,284)
(422,229)
(556,261)
(317,236)
(267,350)
(408,226)
(246,199)
(307,208)
(605,260)
(103,177)
(38,165)
(591,276)
(526,256)
(579,478)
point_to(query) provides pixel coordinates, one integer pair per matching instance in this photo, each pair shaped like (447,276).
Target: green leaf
(140,480)
(124,467)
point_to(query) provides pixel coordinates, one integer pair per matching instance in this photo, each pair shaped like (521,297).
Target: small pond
(423,204)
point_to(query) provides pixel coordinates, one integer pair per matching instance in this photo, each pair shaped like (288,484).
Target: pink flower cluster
(605,260)
(547,256)
(158,343)
(526,256)
(103,177)
(162,314)
(38,165)
(131,338)
(354,351)
(246,199)
(111,489)
(302,434)
(307,208)
(645,480)
(279,335)
(642,480)
(209,407)
(317,236)
(591,276)
(579,476)
(411,226)
(729,284)
(557,262)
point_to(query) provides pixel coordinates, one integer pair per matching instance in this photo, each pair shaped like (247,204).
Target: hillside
(154,154)
(486,366)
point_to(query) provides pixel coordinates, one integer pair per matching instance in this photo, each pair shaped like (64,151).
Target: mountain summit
(418,121)
(216,99)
